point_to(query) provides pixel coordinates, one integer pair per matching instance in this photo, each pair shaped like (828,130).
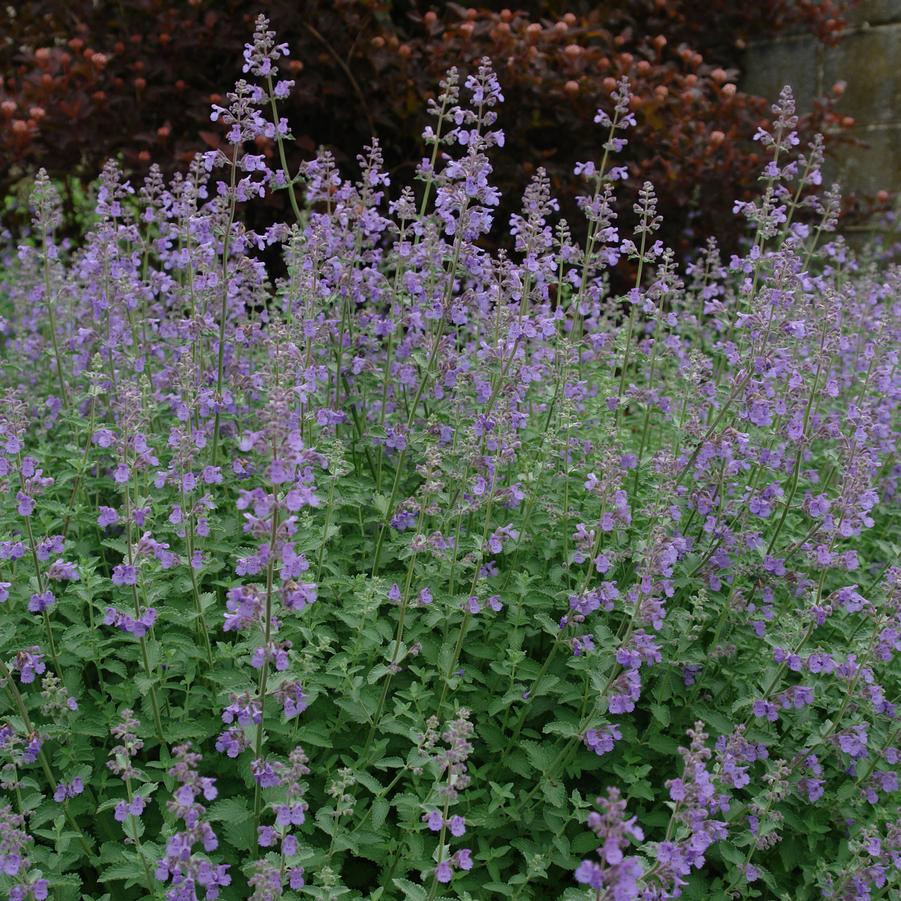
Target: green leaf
(558,727)
(412,892)
(122,872)
(641,790)
(379,813)
(356,710)
(370,782)
(317,734)
(554,794)
(731,854)
(662,743)
(237,820)
(721,723)
(229,809)
(541,756)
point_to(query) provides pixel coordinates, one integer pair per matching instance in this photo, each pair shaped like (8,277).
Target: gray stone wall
(868,60)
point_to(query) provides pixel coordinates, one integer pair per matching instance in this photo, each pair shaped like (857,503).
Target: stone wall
(868,60)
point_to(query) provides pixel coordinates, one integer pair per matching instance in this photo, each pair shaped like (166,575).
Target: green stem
(264,669)
(51,315)
(145,656)
(281,150)
(223,310)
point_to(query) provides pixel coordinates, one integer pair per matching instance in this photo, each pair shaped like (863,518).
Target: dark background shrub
(83,81)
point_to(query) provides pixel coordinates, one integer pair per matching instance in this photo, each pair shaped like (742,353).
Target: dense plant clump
(428,570)
(84,81)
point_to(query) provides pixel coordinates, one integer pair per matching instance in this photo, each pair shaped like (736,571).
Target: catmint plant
(352,556)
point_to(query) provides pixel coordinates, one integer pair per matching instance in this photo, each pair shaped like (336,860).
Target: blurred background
(85,80)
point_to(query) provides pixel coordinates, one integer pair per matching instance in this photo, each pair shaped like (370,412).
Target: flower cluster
(14,861)
(617,873)
(185,869)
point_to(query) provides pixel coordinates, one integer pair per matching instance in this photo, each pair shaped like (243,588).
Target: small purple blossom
(41,602)
(29,663)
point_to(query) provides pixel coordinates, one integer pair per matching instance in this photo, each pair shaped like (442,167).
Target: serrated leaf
(237,820)
(558,727)
(122,872)
(554,794)
(541,756)
(379,813)
(412,892)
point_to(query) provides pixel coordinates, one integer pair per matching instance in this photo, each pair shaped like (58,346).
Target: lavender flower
(29,663)
(184,868)
(14,860)
(617,873)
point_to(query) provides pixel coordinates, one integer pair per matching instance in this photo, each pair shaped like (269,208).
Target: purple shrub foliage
(414,546)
